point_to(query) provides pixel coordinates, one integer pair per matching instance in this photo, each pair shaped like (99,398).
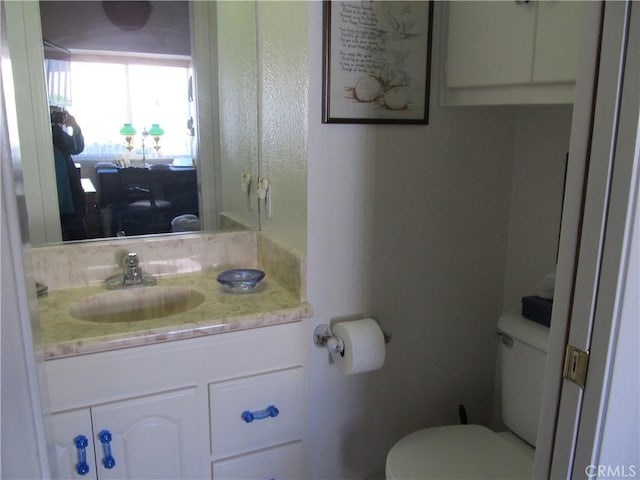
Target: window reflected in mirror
(104,96)
(133,116)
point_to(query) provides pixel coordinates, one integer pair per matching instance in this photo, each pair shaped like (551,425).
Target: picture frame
(377,61)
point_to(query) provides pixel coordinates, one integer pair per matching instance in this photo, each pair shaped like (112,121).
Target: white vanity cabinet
(510,52)
(249,415)
(147,437)
(229,405)
(282,462)
(69,460)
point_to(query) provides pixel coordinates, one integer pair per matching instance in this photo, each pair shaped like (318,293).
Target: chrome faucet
(131,275)
(132,270)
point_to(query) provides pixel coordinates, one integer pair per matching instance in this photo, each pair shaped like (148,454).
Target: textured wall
(238,101)
(283,112)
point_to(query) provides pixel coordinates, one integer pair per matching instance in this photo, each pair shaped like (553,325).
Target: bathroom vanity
(172,408)
(214,392)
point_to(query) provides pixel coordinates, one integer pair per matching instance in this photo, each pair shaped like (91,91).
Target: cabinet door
(285,462)
(66,427)
(558,42)
(490,43)
(151,437)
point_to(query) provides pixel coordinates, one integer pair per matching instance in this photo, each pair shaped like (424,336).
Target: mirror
(210,174)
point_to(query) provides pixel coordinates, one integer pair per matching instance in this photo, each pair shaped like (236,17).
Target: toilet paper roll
(364,348)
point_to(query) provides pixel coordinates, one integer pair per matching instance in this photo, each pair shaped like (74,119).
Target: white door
(593,252)
(23,449)
(150,437)
(605,409)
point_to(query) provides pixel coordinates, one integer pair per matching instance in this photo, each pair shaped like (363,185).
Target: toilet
(474,451)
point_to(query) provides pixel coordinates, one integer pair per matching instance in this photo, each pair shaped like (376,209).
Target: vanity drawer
(284,462)
(242,414)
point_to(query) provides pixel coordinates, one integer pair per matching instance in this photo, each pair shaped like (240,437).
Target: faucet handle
(131,260)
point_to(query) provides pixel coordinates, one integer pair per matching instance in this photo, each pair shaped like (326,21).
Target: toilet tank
(523,353)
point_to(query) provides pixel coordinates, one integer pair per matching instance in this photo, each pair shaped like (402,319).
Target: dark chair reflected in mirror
(141,208)
(144,200)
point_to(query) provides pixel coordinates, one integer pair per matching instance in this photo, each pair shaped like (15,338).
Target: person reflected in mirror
(68,140)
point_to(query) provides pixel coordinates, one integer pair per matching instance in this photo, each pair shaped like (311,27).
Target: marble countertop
(64,335)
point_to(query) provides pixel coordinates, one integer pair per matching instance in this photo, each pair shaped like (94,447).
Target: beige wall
(238,104)
(282,127)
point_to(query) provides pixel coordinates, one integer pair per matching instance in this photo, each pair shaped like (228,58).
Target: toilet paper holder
(324,337)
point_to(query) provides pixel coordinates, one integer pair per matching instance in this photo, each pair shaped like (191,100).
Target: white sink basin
(135,304)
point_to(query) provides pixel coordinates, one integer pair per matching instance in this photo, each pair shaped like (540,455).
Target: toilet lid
(458,451)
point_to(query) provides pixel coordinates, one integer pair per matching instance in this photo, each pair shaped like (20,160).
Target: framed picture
(377,61)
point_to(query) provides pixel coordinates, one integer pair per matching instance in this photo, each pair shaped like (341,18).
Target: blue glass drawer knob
(268,412)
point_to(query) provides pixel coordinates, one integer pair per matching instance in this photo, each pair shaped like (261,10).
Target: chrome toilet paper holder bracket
(324,337)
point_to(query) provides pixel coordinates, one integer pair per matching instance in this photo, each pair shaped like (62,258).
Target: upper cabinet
(511,52)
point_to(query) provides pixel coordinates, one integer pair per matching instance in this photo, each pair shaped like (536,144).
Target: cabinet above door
(511,52)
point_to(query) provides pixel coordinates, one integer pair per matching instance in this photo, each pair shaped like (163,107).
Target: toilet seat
(458,451)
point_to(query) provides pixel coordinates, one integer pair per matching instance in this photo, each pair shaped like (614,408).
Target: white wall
(408,224)
(541,144)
